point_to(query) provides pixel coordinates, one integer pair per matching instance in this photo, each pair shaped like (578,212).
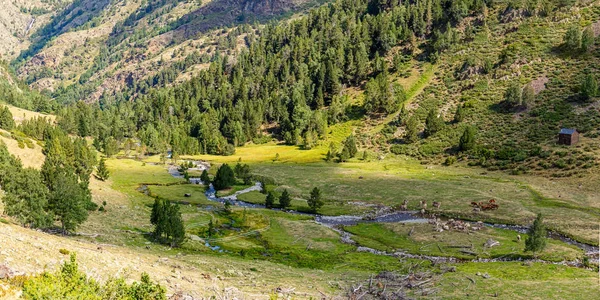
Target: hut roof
(568,131)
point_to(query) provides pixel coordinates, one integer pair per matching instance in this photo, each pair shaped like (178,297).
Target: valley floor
(265,252)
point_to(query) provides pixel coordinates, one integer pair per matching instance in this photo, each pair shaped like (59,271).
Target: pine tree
(412,132)
(513,95)
(68,200)
(528,96)
(270,200)
(175,228)
(6,119)
(587,39)
(467,140)
(157,217)
(167,221)
(224,178)
(350,144)
(110,146)
(536,240)
(315,202)
(242,171)
(204,177)
(102,171)
(211,229)
(285,200)
(433,123)
(26,198)
(330,153)
(589,87)
(572,38)
(459,115)
(344,155)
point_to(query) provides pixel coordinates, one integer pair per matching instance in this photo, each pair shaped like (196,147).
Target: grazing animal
(437,204)
(474,204)
(403,207)
(492,201)
(405,202)
(519,237)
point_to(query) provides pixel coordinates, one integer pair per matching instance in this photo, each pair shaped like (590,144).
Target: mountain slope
(110,45)
(19,19)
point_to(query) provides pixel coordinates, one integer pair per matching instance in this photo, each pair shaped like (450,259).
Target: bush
(450,160)
(70,283)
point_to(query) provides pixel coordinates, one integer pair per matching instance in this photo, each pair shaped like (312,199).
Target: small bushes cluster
(70,283)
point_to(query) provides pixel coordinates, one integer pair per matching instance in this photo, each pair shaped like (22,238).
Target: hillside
(111,45)
(19,19)
(302,149)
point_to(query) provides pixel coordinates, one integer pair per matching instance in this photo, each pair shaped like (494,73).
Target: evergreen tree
(330,153)
(513,95)
(242,171)
(315,202)
(536,240)
(412,132)
(528,96)
(572,38)
(285,200)
(350,144)
(459,115)
(110,146)
(224,178)
(157,217)
(204,177)
(344,155)
(175,229)
(211,229)
(6,119)
(587,39)
(167,221)
(68,200)
(270,200)
(102,171)
(26,198)
(467,140)
(589,87)
(433,123)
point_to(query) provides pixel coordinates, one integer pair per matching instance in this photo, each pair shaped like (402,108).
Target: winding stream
(336,223)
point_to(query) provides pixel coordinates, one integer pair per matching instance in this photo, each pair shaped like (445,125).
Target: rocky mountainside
(90,47)
(19,19)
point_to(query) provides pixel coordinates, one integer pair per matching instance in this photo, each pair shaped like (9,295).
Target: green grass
(391,181)
(513,280)
(177,193)
(252,153)
(414,88)
(424,240)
